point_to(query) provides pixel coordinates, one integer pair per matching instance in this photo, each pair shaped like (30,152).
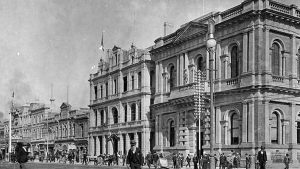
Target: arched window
(115,115)
(172,134)
(235,129)
(276,59)
(274,128)
(201,63)
(234,62)
(133,112)
(172,76)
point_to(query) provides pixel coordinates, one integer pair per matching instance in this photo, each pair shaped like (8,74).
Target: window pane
(235,131)
(274,128)
(234,62)
(275,59)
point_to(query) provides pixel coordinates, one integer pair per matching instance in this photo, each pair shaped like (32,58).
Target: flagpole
(10,128)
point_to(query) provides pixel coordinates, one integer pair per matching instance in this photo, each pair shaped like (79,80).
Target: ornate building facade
(256,82)
(120,100)
(70,128)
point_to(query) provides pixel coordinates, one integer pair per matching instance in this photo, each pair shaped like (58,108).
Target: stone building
(70,128)
(38,132)
(120,98)
(256,82)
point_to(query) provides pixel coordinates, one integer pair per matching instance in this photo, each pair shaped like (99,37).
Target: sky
(44,42)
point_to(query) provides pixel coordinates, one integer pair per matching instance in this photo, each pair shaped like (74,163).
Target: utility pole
(47,139)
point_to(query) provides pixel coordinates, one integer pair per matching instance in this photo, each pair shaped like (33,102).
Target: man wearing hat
(134,157)
(262,157)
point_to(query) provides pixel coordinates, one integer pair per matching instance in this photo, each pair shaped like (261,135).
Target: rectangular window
(125,112)
(96,92)
(140,110)
(106,89)
(132,82)
(125,83)
(115,86)
(95,112)
(298,132)
(101,91)
(139,80)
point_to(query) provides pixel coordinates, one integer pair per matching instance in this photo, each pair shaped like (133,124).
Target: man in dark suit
(262,157)
(22,154)
(135,156)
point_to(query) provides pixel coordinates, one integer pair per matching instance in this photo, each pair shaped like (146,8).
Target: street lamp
(210,44)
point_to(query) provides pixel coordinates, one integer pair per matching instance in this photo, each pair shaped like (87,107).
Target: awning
(71,146)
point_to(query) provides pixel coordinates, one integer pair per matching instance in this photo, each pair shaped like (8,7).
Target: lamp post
(210,44)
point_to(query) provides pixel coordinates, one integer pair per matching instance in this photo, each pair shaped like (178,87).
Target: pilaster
(245,52)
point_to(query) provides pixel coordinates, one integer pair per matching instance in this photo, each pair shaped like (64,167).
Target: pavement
(56,165)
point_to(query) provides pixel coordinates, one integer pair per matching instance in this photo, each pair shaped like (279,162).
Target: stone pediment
(65,105)
(191,30)
(115,48)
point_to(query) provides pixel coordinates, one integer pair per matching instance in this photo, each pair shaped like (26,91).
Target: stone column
(160,137)
(185,70)
(218,125)
(157,90)
(120,85)
(129,112)
(226,133)
(91,143)
(218,67)
(94,146)
(284,124)
(136,139)
(177,70)
(97,146)
(294,57)
(127,142)
(103,144)
(283,64)
(121,112)
(120,143)
(156,130)
(251,120)
(160,81)
(267,50)
(252,51)
(146,140)
(245,52)
(266,123)
(245,123)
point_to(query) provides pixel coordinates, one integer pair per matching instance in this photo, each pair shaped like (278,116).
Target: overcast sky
(56,41)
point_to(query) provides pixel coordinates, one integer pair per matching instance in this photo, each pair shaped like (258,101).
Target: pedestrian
(248,161)
(174,160)
(195,161)
(134,157)
(124,158)
(155,159)
(84,153)
(188,160)
(148,159)
(181,159)
(223,161)
(216,160)
(21,154)
(286,161)
(262,158)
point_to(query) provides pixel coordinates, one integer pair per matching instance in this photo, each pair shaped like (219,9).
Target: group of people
(135,159)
